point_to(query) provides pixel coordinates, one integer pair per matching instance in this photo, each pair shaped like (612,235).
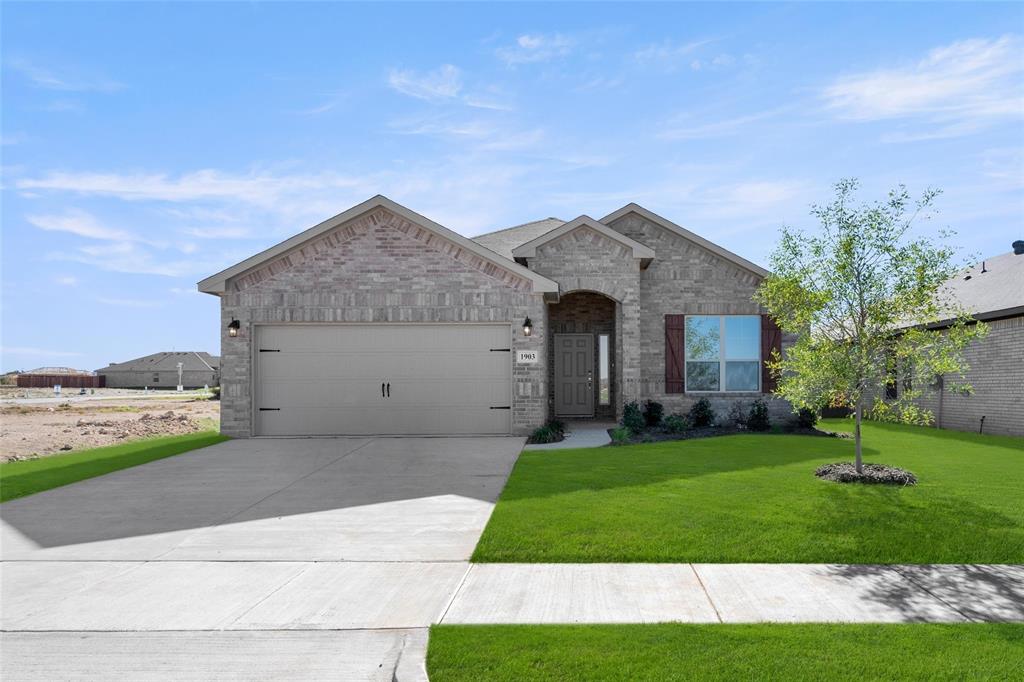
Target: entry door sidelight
(574,375)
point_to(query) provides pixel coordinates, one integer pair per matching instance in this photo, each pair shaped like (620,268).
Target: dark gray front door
(574,375)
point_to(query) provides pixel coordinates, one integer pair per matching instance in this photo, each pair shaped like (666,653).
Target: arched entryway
(583,348)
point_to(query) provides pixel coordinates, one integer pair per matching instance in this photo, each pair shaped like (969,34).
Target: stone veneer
(379,268)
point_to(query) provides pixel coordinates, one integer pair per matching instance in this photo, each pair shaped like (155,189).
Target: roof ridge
(516,227)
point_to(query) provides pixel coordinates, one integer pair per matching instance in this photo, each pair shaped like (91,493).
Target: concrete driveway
(252,559)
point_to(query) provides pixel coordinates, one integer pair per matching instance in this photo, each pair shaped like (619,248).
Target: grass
(18,479)
(976,651)
(754,498)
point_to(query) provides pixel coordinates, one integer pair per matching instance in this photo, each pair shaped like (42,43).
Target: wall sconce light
(233,328)
(527,327)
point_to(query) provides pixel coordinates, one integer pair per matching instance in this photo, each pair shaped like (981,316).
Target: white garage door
(383,379)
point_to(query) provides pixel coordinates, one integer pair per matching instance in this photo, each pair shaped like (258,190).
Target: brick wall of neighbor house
(168,379)
(687,279)
(997,375)
(586,260)
(583,312)
(379,268)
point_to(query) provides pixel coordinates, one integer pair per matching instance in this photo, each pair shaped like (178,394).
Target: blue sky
(146,146)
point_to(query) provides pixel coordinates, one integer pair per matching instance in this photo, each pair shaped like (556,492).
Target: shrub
(557,425)
(701,413)
(632,419)
(737,415)
(806,418)
(675,423)
(653,411)
(544,434)
(758,419)
(621,436)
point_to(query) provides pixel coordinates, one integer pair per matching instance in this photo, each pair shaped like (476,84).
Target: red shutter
(771,345)
(674,361)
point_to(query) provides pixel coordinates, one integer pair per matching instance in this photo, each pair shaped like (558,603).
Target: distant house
(992,292)
(160,370)
(65,377)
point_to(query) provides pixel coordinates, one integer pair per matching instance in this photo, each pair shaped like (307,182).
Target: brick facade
(379,267)
(997,376)
(687,279)
(585,260)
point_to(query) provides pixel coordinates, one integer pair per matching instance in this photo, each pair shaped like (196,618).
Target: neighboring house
(992,292)
(160,370)
(381,321)
(65,377)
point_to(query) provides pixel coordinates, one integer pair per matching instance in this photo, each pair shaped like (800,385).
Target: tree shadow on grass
(540,474)
(887,524)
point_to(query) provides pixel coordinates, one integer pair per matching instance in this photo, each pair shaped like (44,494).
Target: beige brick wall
(586,260)
(379,268)
(997,375)
(686,279)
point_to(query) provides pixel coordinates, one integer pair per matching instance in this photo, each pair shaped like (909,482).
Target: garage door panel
(326,379)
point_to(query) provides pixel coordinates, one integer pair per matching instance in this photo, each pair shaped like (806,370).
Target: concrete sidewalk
(737,593)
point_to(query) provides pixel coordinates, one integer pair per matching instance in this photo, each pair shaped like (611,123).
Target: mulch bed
(846,472)
(658,435)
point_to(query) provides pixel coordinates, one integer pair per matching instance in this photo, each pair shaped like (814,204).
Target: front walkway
(737,593)
(580,433)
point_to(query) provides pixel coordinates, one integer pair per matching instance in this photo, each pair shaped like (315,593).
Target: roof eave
(217,284)
(667,224)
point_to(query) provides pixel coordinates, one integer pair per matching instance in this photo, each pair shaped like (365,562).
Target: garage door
(383,379)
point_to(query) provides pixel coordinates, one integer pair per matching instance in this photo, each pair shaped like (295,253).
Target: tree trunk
(856,438)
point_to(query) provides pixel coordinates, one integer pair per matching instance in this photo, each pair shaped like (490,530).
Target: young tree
(859,295)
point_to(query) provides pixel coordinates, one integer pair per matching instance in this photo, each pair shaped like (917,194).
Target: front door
(574,375)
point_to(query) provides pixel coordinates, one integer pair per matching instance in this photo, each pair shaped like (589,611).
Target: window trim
(721,360)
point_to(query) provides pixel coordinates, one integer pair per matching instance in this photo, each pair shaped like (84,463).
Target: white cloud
(221,232)
(682,127)
(443,83)
(260,189)
(956,89)
(30,350)
(71,80)
(669,54)
(531,48)
(78,223)
(66,281)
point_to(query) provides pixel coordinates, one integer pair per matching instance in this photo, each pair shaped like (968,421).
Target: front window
(723,352)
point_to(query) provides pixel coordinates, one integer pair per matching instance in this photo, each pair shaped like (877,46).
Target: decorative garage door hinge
(270,409)
(501,407)
(270,350)
(501,350)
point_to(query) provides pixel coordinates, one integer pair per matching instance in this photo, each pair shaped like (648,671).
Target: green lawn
(754,498)
(18,479)
(977,651)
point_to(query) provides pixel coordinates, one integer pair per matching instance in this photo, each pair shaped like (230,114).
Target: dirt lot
(33,429)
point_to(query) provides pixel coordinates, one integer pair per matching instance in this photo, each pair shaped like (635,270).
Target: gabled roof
(215,284)
(993,288)
(503,241)
(529,249)
(667,224)
(167,361)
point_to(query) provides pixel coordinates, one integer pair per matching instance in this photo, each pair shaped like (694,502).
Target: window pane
(743,337)
(741,376)
(702,376)
(702,334)
(604,385)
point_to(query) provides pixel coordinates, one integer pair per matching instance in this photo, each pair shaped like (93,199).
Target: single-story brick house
(991,292)
(381,321)
(160,370)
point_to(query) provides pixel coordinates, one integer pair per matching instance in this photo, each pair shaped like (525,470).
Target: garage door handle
(382,389)
(389,390)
